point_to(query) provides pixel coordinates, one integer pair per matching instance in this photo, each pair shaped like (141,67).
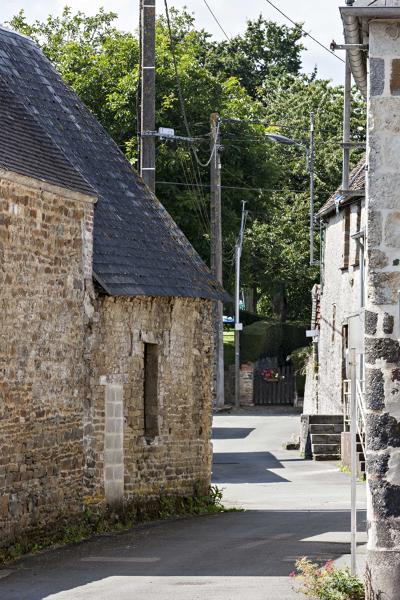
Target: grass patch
(344,469)
(229,347)
(96,521)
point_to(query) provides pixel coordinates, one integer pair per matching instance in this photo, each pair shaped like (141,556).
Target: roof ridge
(11,31)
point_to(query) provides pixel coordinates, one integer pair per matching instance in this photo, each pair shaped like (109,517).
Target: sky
(320,17)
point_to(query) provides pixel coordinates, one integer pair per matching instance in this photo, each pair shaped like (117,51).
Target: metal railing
(360,408)
(346,402)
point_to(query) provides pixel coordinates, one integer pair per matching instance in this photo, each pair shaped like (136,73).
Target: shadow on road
(246,467)
(250,544)
(231,433)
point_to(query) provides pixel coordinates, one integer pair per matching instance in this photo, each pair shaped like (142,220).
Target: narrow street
(293,508)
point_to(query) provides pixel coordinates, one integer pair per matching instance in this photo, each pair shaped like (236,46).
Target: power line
(233,187)
(180,92)
(217,21)
(304,32)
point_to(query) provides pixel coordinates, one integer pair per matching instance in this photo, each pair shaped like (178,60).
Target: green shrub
(327,583)
(96,520)
(266,338)
(300,358)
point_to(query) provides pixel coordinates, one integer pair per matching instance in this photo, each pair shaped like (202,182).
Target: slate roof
(357,183)
(26,149)
(138,249)
(376,3)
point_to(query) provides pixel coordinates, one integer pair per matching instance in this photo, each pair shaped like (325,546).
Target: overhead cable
(180,92)
(232,187)
(303,31)
(217,21)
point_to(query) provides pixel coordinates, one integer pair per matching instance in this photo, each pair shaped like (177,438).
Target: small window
(150,392)
(358,227)
(345,350)
(346,241)
(333,321)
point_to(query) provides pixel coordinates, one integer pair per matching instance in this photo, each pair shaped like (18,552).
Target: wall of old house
(44,232)
(121,462)
(382,326)
(340,298)
(72,366)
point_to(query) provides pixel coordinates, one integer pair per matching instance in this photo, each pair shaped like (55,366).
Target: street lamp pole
(238,324)
(310,156)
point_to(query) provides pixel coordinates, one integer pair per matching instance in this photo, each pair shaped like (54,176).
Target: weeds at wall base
(326,582)
(97,521)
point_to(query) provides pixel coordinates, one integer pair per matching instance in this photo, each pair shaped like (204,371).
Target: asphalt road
(293,508)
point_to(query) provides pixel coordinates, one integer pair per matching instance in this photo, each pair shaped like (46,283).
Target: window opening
(150,392)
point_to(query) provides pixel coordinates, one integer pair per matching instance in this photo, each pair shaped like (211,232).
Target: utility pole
(216,254)
(148,92)
(238,324)
(311,159)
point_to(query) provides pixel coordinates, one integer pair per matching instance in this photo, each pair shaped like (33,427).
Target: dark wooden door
(274,386)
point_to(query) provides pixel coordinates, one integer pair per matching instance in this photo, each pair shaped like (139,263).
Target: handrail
(360,406)
(346,401)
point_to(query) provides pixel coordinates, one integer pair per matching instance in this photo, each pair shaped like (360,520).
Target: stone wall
(179,457)
(72,373)
(382,349)
(340,298)
(43,378)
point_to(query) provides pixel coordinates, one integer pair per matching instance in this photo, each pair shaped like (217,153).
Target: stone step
(326,449)
(325,438)
(327,428)
(325,419)
(320,457)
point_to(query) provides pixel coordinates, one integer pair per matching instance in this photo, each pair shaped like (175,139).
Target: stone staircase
(325,433)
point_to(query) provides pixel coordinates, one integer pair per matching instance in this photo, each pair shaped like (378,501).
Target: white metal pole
(311,158)
(353,436)
(238,325)
(237,322)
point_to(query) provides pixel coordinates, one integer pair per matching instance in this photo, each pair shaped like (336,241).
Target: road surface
(293,508)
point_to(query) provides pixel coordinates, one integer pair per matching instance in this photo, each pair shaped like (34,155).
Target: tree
(253,81)
(263,51)
(277,250)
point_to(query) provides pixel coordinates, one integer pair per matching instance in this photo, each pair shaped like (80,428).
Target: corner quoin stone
(382,348)
(371,322)
(377,76)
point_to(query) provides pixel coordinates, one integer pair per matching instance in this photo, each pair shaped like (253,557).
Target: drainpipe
(357,56)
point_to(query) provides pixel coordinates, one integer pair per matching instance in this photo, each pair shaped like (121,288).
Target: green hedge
(266,338)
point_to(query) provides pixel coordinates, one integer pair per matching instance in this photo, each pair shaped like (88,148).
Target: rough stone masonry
(72,369)
(382,323)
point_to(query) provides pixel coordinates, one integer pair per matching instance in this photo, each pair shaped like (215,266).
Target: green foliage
(252,78)
(265,50)
(327,583)
(229,347)
(266,338)
(300,358)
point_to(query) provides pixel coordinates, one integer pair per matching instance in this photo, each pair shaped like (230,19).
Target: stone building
(338,298)
(105,323)
(376,71)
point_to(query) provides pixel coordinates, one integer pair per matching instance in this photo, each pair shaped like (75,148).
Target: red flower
(329,566)
(293,574)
